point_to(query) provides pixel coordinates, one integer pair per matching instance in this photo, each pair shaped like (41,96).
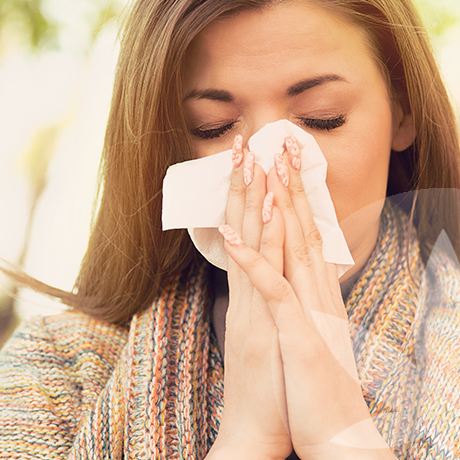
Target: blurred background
(57,62)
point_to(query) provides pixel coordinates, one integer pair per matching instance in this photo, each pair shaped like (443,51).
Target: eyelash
(213,133)
(321,124)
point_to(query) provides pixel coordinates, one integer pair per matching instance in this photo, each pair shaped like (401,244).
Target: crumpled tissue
(195,194)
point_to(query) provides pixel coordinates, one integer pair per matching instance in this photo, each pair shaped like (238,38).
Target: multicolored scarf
(163,397)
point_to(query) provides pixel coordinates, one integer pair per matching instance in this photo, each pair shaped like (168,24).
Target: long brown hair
(129,259)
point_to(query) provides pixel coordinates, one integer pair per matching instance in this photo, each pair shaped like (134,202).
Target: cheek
(202,148)
(358,173)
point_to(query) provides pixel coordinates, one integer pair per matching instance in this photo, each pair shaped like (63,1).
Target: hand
(254,422)
(327,412)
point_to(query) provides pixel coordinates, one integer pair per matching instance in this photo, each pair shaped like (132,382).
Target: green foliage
(439,15)
(105,14)
(28,16)
(33,25)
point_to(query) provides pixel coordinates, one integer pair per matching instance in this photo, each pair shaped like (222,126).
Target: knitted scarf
(164,399)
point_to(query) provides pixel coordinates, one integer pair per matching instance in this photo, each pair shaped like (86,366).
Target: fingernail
(230,235)
(293,152)
(237,151)
(282,169)
(249,168)
(267,210)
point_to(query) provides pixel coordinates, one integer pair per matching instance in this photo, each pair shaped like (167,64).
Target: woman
(136,369)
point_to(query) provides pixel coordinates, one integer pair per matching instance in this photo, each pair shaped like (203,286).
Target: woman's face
(299,62)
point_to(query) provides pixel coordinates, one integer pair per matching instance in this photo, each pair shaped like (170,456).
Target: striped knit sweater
(74,388)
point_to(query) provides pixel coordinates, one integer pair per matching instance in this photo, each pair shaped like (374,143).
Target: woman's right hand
(254,422)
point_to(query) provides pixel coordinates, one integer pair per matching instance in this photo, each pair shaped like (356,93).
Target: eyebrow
(211,94)
(304,85)
(294,90)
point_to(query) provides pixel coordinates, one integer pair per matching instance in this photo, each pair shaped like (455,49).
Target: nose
(261,117)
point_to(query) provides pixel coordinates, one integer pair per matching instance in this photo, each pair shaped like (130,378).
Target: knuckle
(302,253)
(237,188)
(313,237)
(252,206)
(288,204)
(296,190)
(268,244)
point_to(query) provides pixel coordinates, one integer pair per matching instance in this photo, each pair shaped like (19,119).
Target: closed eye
(323,124)
(212,133)
(320,124)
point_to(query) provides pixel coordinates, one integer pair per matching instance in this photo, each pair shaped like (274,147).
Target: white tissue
(195,194)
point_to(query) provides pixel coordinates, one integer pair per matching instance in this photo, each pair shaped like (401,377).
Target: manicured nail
(294,152)
(267,210)
(230,235)
(237,151)
(249,168)
(282,169)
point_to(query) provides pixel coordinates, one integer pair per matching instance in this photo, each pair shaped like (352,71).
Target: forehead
(287,35)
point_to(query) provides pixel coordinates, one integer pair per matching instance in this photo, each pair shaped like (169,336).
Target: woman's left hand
(328,416)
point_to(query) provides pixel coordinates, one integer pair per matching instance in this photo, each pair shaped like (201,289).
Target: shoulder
(57,366)
(52,371)
(66,339)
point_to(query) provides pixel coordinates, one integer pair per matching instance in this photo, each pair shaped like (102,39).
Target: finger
(297,257)
(274,288)
(235,208)
(244,204)
(326,273)
(255,180)
(237,193)
(272,240)
(272,250)
(298,210)
(299,200)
